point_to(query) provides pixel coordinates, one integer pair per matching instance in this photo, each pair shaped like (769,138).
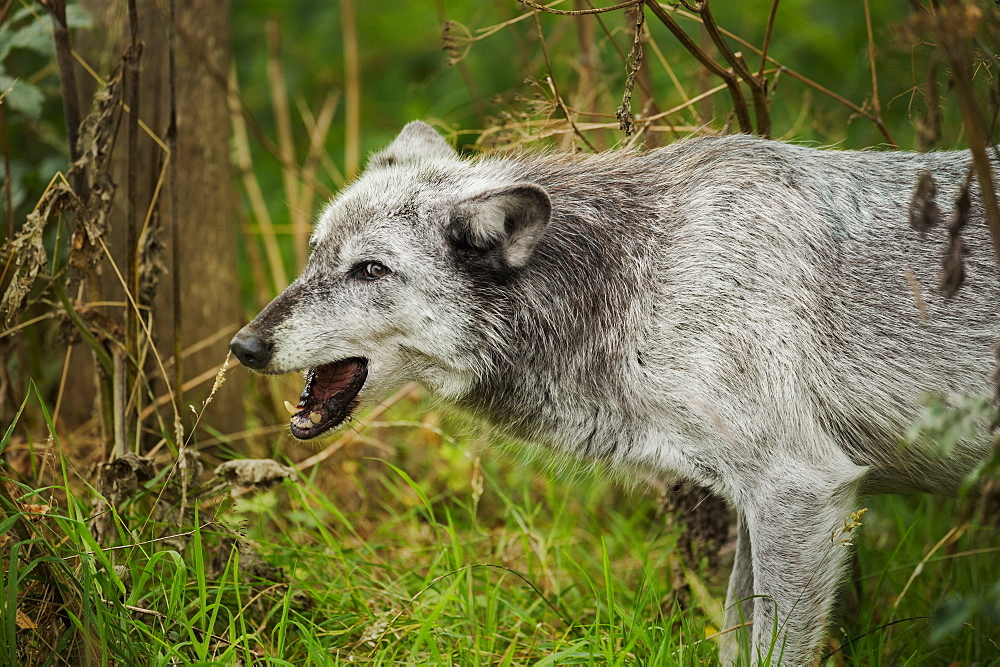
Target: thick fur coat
(756,316)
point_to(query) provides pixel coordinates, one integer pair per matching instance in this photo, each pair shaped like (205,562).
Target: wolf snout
(253,351)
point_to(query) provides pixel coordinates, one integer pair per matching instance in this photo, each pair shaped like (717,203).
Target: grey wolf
(752,315)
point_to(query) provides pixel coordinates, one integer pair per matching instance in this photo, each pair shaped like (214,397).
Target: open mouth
(328,397)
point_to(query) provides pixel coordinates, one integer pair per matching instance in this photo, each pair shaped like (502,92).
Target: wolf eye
(371,271)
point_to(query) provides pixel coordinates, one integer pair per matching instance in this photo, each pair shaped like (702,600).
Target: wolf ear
(416,140)
(506,223)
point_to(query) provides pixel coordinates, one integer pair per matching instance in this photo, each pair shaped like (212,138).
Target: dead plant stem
(352,92)
(767,39)
(799,77)
(876,105)
(555,87)
(258,204)
(579,12)
(732,83)
(978,143)
(286,144)
(739,66)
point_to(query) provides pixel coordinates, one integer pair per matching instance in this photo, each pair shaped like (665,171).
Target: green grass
(406,549)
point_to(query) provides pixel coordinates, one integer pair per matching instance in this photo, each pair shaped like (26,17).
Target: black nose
(252,351)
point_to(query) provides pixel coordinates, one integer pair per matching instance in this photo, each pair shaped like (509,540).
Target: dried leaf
(96,143)
(929,126)
(35,512)
(924,211)
(953,268)
(260,473)
(152,255)
(28,248)
(120,479)
(24,621)
(624,112)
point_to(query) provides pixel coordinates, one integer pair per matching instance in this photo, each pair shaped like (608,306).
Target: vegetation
(415,537)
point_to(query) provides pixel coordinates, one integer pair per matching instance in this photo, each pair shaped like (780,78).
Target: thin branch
(580,12)
(739,102)
(803,79)
(70,96)
(978,141)
(555,88)
(767,39)
(738,64)
(871,59)
(5,10)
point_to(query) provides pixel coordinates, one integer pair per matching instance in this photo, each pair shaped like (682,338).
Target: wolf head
(392,290)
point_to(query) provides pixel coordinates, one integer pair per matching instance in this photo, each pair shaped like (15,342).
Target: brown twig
(633,64)
(352,91)
(978,143)
(555,87)
(876,105)
(70,96)
(767,39)
(739,102)
(803,79)
(580,12)
(739,66)
(643,85)
(5,10)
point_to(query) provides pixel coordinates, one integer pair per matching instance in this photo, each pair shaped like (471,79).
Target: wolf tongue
(330,379)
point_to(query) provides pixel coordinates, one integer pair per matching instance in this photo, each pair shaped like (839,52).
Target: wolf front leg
(739,598)
(799,529)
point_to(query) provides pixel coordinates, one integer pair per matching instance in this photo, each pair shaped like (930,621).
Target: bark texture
(205,256)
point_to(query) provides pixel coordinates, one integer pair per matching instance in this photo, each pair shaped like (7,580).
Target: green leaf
(5,40)
(77,17)
(22,96)
(949,617)
(7,523)
(35,36)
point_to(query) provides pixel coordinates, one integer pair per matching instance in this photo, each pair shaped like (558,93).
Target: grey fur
(732,310)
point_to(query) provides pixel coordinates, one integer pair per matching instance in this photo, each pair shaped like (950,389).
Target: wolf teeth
(315,417)
(292,410)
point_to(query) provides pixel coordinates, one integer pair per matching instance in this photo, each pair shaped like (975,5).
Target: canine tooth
(292,410)
(315,417)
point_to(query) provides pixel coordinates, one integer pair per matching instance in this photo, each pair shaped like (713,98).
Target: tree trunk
(198,185)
